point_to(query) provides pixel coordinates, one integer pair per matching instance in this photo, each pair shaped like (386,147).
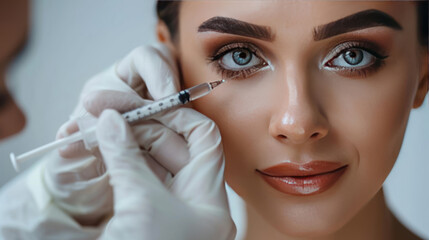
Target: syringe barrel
(160,105)
(199,91)
(155,107)
(87,125)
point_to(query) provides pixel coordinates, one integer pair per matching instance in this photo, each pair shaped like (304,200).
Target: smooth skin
(304,111)
(360,121)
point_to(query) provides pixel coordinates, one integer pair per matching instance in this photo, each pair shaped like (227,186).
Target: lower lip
(305,185)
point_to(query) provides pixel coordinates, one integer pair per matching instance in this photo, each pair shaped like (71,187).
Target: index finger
(152,66)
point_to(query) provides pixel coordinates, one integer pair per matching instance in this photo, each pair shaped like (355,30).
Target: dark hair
(422,21)
(168,12)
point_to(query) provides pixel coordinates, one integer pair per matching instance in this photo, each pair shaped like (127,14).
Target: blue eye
(355,59)
(352,58)
(242,56)
(239,59)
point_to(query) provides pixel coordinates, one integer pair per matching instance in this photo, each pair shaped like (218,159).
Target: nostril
(282,136)
(314,135)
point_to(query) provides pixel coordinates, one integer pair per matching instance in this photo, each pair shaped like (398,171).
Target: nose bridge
(299,117)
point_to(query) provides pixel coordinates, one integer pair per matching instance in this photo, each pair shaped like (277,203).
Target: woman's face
(13,32)
(332,100)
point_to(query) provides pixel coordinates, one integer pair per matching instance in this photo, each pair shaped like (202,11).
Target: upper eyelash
(232,46)
(357,72)
(236,74)
(366,46)
(337,51)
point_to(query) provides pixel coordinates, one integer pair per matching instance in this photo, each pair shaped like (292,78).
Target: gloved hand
(150,73)
(75,177)
(192,205)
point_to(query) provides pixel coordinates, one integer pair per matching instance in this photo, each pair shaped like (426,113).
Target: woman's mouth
(303,179)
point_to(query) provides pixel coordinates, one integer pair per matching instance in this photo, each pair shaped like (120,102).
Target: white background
(70,41)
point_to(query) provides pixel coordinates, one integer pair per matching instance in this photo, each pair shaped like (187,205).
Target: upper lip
(288,169)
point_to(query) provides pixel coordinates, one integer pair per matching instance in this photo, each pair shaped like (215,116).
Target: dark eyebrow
(236,27)
(360,20)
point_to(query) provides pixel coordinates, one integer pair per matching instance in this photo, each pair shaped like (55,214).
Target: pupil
(241,56)
(352,54)
(353,57)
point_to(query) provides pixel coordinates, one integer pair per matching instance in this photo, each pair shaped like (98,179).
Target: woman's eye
(355,59)
(239,59)
(352,58)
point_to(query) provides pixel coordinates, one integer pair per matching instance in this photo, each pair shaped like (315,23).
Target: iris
(353,57)
(242,56)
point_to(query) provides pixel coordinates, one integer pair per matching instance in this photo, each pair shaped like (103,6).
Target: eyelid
(244,72)
(237,45)
(341,47)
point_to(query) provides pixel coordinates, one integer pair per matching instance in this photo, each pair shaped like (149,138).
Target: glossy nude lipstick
(303,179)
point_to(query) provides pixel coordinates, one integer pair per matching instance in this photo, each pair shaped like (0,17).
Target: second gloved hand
(75,177)
(192,205)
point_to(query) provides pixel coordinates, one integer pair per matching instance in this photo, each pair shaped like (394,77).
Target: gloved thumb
(123,158)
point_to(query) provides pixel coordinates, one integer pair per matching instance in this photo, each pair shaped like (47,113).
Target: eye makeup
(245,56)
(355,58)
(356,55)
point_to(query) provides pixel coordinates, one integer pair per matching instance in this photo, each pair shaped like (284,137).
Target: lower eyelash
(367,46)
(241,74)
(236,74)
(359,72)
(362,72)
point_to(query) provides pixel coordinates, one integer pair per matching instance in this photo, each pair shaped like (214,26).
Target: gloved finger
(70,170)
(152,136)
(75,162)
(98,101)
(122,155)
(167,148)
(73,150)
(142,204)
(120,101)
(67,128)
(156,168)
(205,169)
(79,187)
(153,66)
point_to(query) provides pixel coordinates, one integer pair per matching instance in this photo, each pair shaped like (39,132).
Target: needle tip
(216,83)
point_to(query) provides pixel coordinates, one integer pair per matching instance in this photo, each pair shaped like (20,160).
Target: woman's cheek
(377,116)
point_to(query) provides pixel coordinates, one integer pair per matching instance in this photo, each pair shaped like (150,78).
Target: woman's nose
(299,117)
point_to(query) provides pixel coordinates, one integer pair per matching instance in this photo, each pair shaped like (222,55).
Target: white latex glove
(75,178)
(192,205)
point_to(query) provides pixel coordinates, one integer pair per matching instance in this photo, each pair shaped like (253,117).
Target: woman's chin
(309,230)
(309,227)
(309,221)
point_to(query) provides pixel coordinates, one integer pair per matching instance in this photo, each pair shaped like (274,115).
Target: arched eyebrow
(236,27)
(360,20)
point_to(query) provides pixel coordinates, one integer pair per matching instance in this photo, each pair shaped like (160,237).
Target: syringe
(132,116)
